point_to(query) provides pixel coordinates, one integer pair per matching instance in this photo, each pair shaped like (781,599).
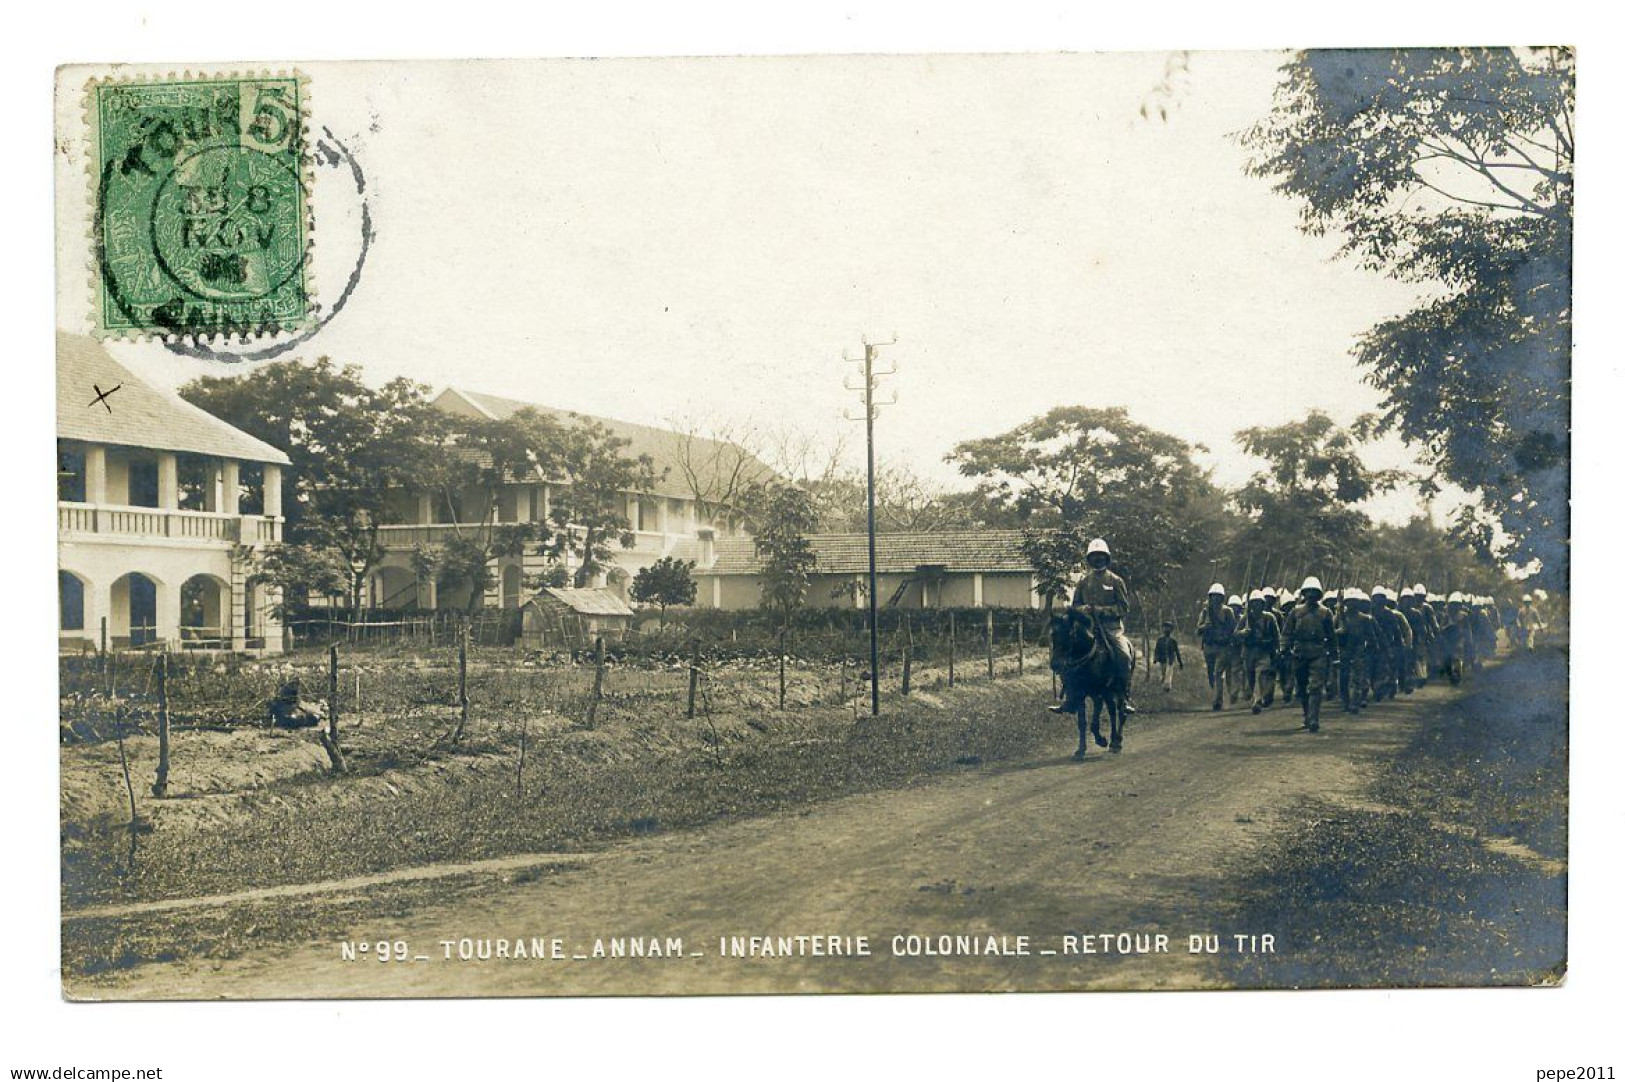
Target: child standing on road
(1167,655)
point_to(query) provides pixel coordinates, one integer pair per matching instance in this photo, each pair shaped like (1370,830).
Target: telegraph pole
(870,406)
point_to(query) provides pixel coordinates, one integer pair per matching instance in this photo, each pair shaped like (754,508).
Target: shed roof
(138,414)
(963,551)
(586,601)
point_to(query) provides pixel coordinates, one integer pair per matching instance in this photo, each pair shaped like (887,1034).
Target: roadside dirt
(1142,842)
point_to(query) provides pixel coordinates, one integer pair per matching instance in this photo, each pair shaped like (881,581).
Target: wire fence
(441,673)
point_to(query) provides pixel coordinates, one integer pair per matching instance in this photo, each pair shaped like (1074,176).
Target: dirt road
(1139,843)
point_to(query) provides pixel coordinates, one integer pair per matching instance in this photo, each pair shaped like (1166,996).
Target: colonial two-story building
(162,513)
(664,520)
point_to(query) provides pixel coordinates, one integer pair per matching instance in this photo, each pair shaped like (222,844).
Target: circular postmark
(219,224)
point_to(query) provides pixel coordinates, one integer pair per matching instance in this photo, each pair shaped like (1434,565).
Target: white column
(96,477)
(230,486)
(661,519)
(976,590)
(169,610)
(98,604)
(273,490)
(169,488)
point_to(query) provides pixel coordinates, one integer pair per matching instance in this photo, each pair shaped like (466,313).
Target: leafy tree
(667,581)
(719,464)
(589,513)
(1452,169)
(781,516)
(350,446)
(1304,504)
(905,502)
(484,457)
(1079,472)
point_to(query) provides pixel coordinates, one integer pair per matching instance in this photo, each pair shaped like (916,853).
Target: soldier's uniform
(1313,642)
(1455,638)
(1483,635)
(1104,592)
(1235,670)
(1216,628)
(1260,638)
(1355,642)
(1416,656)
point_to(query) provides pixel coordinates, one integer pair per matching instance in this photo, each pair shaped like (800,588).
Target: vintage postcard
(814,524)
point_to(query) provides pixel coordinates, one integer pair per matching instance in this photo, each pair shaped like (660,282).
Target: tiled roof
(588,602)
(848,553)
(710,457)
(142,415)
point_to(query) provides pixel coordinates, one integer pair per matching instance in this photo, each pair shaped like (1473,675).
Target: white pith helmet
(1435,598)
(1456,598)
(1216,588)
(1098,545)
(1378,592)
(1419,590)
(1354,593)
(1312,583)
(1268,592)
(1526,597)
(1233,599)
(1406,591)
(1256,595)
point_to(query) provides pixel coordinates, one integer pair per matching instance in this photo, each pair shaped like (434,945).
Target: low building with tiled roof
(949,569)
(163,511)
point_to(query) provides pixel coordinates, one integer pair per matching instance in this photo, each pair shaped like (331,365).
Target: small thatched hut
(561,616)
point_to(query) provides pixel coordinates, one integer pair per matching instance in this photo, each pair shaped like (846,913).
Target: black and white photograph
(692,528)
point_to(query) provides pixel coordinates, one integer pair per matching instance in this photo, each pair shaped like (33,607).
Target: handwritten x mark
(101,396)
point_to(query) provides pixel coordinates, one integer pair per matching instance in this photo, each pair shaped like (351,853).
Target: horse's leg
(1083,738)
(1115,705)
(1094,725)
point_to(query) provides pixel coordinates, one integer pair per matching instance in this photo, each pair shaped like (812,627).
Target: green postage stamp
(202,222)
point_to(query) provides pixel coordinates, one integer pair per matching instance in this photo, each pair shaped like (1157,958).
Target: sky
(653,239)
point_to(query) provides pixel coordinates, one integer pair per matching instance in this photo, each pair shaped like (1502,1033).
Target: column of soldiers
(1361,648)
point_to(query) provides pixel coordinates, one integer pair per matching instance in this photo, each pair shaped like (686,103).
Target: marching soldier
(1215,628)
(1426,649)
(1234,660)
(1455,637)
(1394,639)
(1355,641)
(1313,641)
(1260,638)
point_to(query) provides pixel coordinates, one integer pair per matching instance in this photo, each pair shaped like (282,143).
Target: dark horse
(1090,673)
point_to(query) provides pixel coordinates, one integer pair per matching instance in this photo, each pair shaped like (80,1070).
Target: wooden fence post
(160,785)
(781,668)
(990,644)
(462,684)
(951,638)
(104,640)
(597,680)
(908,652)
(1021,645)
(330,737)
(693,677)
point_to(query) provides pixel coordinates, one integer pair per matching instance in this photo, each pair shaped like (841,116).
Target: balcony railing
(138,522)
(406,536)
